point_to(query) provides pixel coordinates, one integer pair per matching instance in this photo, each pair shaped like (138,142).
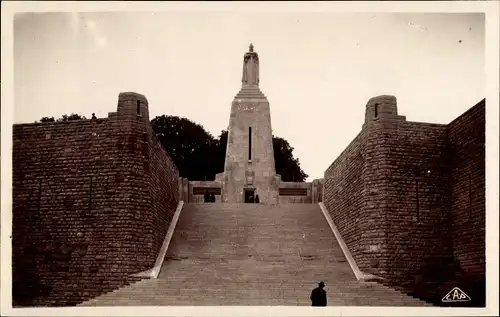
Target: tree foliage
(191,147)
(64,117)
(47,119)
(287,165)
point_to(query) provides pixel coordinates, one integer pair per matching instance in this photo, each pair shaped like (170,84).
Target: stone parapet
(92,202)
(401,191)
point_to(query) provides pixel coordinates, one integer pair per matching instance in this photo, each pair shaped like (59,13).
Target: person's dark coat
(318,296)
(206,197)
(257,200)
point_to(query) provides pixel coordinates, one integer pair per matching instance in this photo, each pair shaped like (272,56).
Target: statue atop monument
(250,68)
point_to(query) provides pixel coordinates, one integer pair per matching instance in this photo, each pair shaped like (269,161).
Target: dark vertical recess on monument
(138,107)
(249,143)
(376,110)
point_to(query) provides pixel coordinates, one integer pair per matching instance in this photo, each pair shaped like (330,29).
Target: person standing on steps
(318,295)
(257,200)
(206,197)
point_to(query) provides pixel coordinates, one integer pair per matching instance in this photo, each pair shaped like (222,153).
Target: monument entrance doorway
(249,195)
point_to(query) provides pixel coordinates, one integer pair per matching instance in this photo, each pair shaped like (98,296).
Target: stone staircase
(250,254)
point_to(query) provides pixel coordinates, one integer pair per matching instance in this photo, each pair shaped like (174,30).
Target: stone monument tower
(249,167)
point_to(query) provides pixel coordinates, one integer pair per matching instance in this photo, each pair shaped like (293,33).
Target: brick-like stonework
(371,193)
(344,196)
(466,136)
(92,201)
(416,166)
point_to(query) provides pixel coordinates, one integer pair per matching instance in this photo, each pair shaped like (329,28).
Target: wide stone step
(162,293)
(295,297)
(238,296)
(223,301)
(250,299)
(257,292)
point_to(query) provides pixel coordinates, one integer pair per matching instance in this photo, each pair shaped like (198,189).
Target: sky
(317,70)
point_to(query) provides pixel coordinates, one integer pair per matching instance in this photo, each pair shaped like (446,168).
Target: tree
(47,119)
(286,165)
(71,117)
(219,151)
(191,147)
(64,117)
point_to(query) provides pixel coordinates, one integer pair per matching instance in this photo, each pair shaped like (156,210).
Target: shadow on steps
(436,278)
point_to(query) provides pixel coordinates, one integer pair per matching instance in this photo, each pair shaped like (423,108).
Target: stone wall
(401,191)
(199,198)
(162,176)
(92,200)
(183,189)
(416,198)
(317,190)
(344,196)
(466,136)
(313,191)
(295,199)
(356,187)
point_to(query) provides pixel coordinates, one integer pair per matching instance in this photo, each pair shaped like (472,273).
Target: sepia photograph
(216,157)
